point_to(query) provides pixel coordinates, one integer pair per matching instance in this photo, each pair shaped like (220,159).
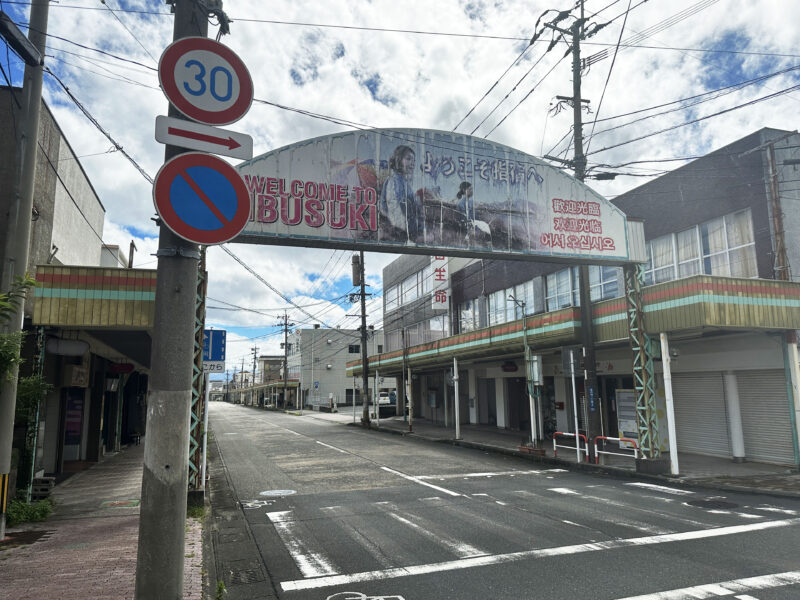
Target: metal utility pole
(17,240)
(162,521)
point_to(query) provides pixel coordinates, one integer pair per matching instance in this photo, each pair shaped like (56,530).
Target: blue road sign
(214,345)
(201,198)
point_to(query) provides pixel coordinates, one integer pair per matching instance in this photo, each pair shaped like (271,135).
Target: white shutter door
(765,416)
(701,422)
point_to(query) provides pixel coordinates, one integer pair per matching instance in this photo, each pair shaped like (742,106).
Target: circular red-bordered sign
(205,80)
(201,198)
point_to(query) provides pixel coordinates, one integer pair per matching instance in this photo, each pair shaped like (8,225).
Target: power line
(116,16)
(608,77)
(514,62)
(94,122)
(693,121)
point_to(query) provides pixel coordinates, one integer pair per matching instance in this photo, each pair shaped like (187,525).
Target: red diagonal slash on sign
(202,195)
(202,137)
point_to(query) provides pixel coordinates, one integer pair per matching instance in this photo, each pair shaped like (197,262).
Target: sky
(463,65)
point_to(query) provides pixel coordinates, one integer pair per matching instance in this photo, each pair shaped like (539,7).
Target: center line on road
(495,559)
(419,481)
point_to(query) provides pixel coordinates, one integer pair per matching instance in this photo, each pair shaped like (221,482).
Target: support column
(731,387)
(457,399)
(673,439)
(793,381)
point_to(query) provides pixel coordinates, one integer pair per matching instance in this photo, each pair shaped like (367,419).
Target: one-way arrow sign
(204,138)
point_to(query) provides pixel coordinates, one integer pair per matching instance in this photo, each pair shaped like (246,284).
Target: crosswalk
(372,540)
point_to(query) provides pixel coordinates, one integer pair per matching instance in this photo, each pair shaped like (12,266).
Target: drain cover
(245,577)
(277,493)
(712,504)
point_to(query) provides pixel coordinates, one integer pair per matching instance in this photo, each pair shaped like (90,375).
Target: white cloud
(417,81)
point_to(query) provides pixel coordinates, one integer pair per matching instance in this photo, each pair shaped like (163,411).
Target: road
(335,509)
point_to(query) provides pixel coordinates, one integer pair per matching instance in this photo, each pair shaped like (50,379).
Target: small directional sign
(214,350)
(194,136)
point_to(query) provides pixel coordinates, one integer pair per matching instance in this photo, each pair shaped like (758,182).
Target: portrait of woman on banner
(402,217)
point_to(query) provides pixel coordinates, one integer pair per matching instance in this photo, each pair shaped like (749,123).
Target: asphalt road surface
(345,514)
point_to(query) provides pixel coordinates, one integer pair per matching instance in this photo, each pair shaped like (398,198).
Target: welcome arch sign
(429,192)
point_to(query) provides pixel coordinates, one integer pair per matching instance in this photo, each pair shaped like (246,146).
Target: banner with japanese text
(426,192)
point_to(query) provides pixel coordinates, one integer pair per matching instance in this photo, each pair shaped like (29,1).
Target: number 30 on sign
(205,80)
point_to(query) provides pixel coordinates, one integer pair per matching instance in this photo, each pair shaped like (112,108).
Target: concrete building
(269,368)
(88,326)
(317,359)
(720,285)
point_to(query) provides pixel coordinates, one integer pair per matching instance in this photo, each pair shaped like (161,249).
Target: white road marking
(783,511)
(495,559)
(574,524)
(475,475)
(310,563)
(661,488)
(332,447)
(565,491)
(460,549)
(417,480)
(725,588)
(745,597)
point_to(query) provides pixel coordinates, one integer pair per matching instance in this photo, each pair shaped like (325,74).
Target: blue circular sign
(201,198)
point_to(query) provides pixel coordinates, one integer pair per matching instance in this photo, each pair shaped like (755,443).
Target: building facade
(87,326)
(318,359)
(718,284)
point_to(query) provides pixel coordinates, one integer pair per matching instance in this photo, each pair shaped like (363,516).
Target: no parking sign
(201,198)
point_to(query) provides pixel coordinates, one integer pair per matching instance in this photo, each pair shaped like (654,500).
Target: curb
(590,468)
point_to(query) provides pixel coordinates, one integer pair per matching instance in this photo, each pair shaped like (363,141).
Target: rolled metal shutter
(701,421)
(765,416)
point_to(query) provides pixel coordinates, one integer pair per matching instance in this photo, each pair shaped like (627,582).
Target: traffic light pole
(162,520)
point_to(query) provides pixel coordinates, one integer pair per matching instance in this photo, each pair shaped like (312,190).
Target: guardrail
(581,436)
(597,452)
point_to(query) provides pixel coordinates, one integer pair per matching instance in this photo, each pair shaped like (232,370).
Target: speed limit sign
(205,80)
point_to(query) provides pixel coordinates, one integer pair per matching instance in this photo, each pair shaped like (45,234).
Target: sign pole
(159,566)
(575,405)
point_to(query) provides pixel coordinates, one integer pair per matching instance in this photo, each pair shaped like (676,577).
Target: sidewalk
(87,548)
(698,470)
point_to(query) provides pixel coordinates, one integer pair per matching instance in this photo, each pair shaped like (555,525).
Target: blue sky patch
(720,68)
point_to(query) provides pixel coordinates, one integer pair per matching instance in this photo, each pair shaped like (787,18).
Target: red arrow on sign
(195,136)
(230,143)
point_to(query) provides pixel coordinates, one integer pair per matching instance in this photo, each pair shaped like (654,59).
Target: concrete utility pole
(591,395)
(285,324)
(18,235)
(162,520)
(364,364)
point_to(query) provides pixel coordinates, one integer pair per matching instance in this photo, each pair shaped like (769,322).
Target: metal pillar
(643,374)
(196,424)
